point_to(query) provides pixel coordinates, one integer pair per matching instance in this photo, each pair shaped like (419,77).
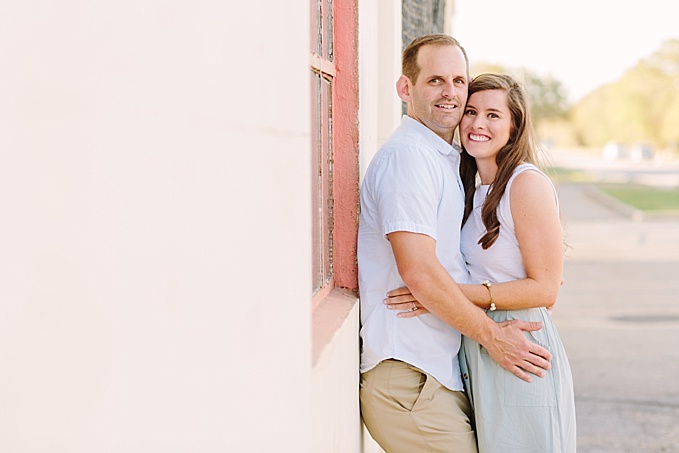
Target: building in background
(179,199)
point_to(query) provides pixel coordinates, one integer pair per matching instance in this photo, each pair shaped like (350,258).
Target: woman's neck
(487,170)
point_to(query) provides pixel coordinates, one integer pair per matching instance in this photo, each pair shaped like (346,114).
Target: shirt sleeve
(408,184)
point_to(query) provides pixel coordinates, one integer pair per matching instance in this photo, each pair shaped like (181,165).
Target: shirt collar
(434,140)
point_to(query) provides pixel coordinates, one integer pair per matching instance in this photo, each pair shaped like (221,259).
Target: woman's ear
(403,88)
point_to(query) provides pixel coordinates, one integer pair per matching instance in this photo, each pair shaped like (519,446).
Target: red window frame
(322,84)
(334,150)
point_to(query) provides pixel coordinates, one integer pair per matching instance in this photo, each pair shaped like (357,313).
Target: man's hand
(511,349)
(515,353)
(431,284)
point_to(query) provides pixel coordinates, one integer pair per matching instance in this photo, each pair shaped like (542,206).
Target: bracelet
(487,284)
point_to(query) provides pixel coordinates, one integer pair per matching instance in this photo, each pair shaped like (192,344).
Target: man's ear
(403,88)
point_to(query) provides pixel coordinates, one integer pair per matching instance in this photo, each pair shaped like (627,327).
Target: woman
(511,239)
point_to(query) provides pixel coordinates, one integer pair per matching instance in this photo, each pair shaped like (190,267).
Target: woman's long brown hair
(520,148)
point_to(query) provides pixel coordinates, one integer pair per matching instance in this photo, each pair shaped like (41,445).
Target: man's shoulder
(408,134)
(405,144)
(406,151)
(410,157)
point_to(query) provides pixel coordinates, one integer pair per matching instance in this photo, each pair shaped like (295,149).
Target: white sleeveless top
(502,261)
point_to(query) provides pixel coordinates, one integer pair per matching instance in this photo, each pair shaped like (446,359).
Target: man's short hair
(409,66)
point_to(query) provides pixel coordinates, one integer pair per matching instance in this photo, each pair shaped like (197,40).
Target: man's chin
(447,124)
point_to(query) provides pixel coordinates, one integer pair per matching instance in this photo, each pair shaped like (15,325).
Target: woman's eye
(469,112)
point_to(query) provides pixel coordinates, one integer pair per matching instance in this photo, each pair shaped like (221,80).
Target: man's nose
(448,89)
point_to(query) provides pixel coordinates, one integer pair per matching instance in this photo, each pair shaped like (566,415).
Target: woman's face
(486,124)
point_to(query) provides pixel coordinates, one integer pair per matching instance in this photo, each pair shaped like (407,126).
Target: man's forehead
(444,69)
(441,59)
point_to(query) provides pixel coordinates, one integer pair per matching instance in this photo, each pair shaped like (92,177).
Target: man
(412,202)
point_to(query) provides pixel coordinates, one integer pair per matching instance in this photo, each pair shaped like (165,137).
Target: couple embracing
(460,258)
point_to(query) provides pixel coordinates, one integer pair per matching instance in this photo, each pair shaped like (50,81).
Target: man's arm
(430,283)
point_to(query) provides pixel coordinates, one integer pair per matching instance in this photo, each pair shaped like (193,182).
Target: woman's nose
(478,122)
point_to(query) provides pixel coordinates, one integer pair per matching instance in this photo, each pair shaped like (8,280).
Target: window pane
(316,185)
(315,24)
(326,170)
(328,31)
(321,152)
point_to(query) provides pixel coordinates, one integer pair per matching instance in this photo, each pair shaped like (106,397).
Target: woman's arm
(538,231)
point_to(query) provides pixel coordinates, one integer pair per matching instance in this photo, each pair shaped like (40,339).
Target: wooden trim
(322,65)
(322,293)
(345,145)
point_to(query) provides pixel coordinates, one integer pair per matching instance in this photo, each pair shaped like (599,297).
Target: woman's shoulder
(531,176)
(531,187)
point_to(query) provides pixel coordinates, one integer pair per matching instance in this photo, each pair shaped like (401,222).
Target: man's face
(438,97)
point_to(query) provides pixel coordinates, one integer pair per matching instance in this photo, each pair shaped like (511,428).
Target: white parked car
(640,152)
(614,151)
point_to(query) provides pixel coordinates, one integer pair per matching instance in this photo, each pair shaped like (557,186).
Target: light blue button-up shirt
(412,184)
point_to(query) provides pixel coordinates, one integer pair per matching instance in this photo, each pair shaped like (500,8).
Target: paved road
(618,316)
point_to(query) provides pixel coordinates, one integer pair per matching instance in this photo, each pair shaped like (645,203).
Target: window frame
(338,63)
(323,74)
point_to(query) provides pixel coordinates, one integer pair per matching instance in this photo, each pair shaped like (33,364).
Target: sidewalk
(618,316)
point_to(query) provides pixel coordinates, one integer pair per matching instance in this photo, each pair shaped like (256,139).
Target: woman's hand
(402,299)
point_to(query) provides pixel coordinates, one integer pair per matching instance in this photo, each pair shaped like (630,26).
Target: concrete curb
(623,208)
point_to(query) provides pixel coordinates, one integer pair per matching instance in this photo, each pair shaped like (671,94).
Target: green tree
(642,106)
(546,96)
(667,58)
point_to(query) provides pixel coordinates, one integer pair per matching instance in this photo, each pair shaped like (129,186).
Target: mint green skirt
(514,416)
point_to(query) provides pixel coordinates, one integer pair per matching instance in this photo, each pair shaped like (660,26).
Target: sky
(582,43)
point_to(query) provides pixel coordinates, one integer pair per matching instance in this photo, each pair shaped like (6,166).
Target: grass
(645,198)
(658,200)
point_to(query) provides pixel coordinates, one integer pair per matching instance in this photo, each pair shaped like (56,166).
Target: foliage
(546,96)
(642,106)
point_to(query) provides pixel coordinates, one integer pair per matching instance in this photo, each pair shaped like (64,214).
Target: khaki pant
(408,411)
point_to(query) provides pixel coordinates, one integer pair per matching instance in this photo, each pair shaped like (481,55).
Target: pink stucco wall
(345,144)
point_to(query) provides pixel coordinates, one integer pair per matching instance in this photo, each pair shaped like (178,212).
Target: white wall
(389,68)
(379,69)
(379,106)
(336,412)
(154,239)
